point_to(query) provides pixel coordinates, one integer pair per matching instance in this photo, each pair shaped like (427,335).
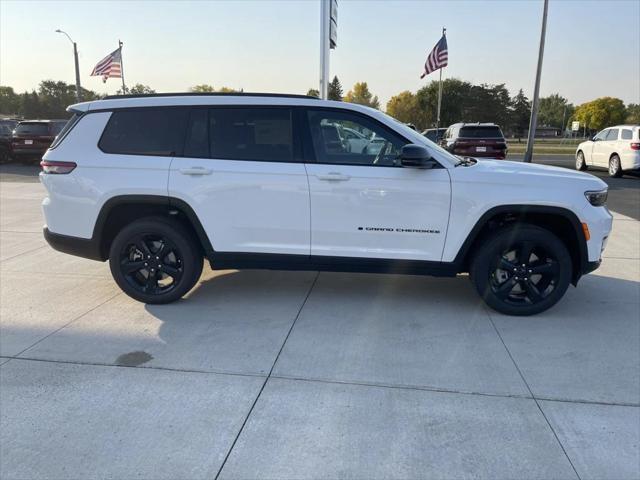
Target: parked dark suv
(6,130)
(31,138)
(475,140)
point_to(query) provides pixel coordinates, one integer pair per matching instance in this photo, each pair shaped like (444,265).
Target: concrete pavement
(302,375)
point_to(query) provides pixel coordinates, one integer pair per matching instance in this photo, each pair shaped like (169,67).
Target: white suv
(615,148)
(156,183)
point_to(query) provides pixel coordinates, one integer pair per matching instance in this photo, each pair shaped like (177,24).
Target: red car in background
(31,138)
(475,140)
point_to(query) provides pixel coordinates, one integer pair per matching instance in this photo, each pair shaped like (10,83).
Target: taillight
(60,168)
(635,146)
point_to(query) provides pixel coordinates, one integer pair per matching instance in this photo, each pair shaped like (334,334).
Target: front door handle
(195,171)
(334,177)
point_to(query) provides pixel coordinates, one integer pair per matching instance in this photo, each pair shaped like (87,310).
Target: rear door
(238,172)
(364,204)
(599,149)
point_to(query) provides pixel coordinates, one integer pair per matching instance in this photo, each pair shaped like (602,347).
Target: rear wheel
(615,168)
(521,270)
(580,163)
(155,260)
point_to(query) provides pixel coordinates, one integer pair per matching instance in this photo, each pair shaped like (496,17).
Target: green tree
(202,88)
(456,96)
(360,94)
(405,108)
(600,113)
(335,89)
(9,101)
(138,89)
(30,105)
(312,92)
(633,114)
(520,114)
(553,110)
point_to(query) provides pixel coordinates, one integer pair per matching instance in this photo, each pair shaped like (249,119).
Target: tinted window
(262,134)
(627,134)
(32,128)
(148,131)
(375,146)
(480,132)
(197,141)
(613,134)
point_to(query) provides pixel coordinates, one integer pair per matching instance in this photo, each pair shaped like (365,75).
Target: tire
(615,168)
(4,155)
(176,255)
(506,285)
(580,163)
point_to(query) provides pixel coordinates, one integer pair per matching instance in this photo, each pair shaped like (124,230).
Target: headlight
(597,198)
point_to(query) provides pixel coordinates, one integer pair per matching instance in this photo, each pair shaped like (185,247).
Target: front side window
(374,144)
(613,134)
(260,134)
(602,135)
(145,131)
(627,134)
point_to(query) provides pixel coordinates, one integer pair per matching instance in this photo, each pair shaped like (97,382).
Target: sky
(592,47)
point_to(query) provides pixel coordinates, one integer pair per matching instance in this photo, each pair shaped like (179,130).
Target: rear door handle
(195,171)
(334,177)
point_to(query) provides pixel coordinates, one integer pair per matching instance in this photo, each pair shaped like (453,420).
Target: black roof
(209,94)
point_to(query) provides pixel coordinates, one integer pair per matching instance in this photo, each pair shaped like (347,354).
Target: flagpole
(440,93)
(124,89)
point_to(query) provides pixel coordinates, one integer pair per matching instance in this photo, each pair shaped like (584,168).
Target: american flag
(109,66)
(438,58)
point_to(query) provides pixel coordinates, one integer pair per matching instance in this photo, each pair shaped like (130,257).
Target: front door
(238,173)
(363,203)
(599,149)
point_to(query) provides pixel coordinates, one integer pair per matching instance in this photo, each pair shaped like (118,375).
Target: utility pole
(536,91)
(325,14)
(75,61)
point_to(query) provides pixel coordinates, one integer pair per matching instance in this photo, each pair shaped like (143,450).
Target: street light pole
(536,92)
(75,60)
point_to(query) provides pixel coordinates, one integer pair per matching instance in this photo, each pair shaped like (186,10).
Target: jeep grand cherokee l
(154,184)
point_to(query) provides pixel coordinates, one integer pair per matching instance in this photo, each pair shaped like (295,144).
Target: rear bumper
(28,151)
(80,247)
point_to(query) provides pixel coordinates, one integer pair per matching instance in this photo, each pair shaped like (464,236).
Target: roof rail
(208,94)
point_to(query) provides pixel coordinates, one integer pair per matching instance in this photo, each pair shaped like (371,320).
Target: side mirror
(594,139)
(416,156)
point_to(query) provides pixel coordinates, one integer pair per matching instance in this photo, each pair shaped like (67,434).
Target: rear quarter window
(145,131)
(626,134)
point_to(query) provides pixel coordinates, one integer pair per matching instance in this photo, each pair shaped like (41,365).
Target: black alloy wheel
(155,260)
(521,269)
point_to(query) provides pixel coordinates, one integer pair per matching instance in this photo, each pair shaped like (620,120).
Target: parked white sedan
(615,148)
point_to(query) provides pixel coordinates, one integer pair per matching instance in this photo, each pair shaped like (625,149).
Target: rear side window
(481,132)
(261,134)
(613,134)
(627,134)
(32,128)
(145,131)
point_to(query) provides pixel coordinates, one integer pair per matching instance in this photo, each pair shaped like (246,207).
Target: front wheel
(155,260)
(580,163)
(615,168)
(521,270)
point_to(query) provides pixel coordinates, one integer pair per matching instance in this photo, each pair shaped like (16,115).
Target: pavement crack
(532,395)
(264,384)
